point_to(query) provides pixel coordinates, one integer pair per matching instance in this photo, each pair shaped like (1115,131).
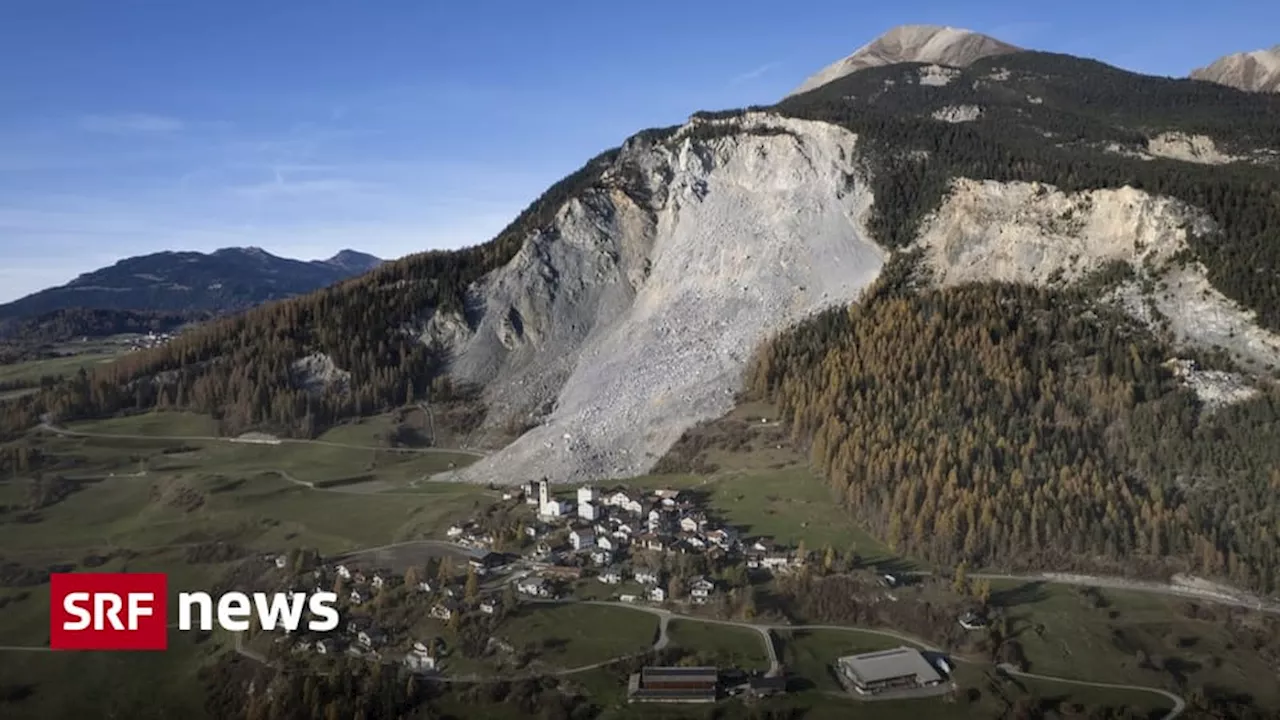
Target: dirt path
(1178,703)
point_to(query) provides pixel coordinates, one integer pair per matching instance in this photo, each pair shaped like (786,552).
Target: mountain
(222,281)
(351,262)
(1008,318)
(1257,71)
(938,44)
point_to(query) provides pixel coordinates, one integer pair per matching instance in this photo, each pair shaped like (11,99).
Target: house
(701,589)
(344,572)
(488,606)
(696,522)
(282,561)
(667,495)
(889,580)
(512,494)
(588,511)
(372,637)
(586,494)
(647,577)
(534,587)
(600,556)
(618,499)
(722,537)
(657,594)
(612,576)
(604,542)
(624,529)
(627,598)
(426,586)
(359,597)
(582,539)
(419,662)
(554,509)
(542,549)
(695,541)
(531,495)
(380,580)
(972,621)
(444,610)
(455,531)
(775,560)
(485,562)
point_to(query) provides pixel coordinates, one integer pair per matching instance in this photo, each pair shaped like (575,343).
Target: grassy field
(569,636)
(719,645)
(32,371)
(1061,634)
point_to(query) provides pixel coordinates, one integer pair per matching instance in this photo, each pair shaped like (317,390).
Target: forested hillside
(1013,427)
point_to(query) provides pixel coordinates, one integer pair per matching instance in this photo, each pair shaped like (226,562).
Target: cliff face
(633,318)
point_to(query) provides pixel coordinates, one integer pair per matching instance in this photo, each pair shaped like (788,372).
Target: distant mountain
(912,43)
(1257,71)
(352,262)
(182,282)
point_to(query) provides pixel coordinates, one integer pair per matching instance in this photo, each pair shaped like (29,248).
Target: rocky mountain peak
(913,43)
(1256,71)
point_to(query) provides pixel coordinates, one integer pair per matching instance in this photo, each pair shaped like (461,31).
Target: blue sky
(393,126)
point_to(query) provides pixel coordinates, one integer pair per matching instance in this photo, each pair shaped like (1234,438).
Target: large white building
(548,506)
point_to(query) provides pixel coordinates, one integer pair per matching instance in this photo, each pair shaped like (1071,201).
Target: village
(662,550)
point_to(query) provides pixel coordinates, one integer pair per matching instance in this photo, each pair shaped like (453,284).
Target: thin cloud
(281,188)
(131,124)
(754,73)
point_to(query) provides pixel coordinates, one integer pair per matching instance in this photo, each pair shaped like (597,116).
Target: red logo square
(108,611)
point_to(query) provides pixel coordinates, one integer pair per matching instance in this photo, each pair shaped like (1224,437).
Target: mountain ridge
(1253,71)
(224,280)
(940,44)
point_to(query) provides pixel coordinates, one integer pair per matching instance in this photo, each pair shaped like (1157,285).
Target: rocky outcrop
(1257,71)
(633,318)
(1034,233)
(913,43)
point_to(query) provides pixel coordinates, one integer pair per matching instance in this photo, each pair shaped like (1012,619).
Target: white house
(604,542)
(488,607)
(379,580)
(587,511)
(586,494)
(617,499)
(419,662)
(611,576)
(647,577)
(581,539)
(454,532)
(443,610)
(534,586)
(700,589)
(344,572)
(627,598)
(601,557)
(693,523)
(426,586)
(554,509)
(531,494)
(657,594)
(359,597)
(282,561)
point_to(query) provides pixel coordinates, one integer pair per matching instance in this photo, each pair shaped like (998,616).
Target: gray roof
(875,667)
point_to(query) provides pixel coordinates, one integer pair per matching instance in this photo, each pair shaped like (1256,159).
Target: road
(1178,703)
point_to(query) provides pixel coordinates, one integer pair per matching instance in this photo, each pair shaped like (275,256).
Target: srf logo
(108,611)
